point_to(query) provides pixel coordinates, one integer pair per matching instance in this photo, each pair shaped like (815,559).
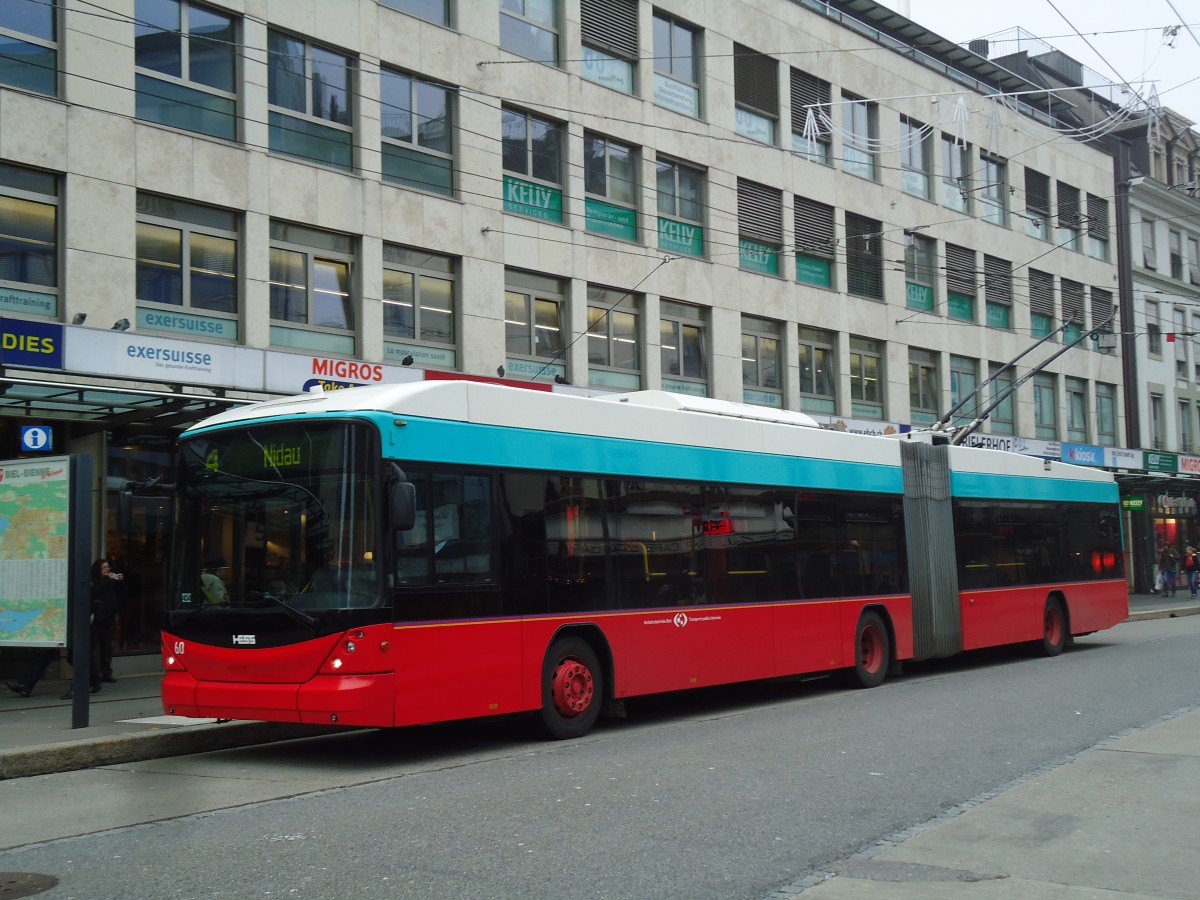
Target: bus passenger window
(412,546)
(462,528)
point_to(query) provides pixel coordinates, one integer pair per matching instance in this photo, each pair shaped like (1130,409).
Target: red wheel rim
(572,687)
(870,650)
(1054,625)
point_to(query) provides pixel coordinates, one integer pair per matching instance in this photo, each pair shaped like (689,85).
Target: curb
(126,748)
(1164,613)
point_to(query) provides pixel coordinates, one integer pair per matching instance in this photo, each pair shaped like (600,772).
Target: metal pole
(79,598)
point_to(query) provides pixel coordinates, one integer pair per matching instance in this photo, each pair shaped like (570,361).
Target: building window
(1073,315)
(811,119)
(962,284)
(866,378)
(1037,204)
(1003,418)
(610,42)
(187,267)
(1156,421)
(956,174)
(1185,426)
(1193,260)
(760,227)
(420,291)
(923,398)
(761,384)
(610,180)
(613,339)
(311,289)
(308,91)
(816,242)
(818,375)
(435,11)
(998,291)
(1077,414)
(680,207)
(920,271)
(529,28)
(1149,254)
(914,157)
(1175,248)
(418,132)
(1181,345)
(533,326)
(186,58)
(864,257)
(1041,303)
(756,94)
(1153,328)
(532,149)
(964,380)
(1070,216)
(860,136)
(676,66)
(29,46)
(683,346)
(993,192)
(1045,407)
(1097,227)
(28,241)
(1106,414)
(1195,342)
(1103,318)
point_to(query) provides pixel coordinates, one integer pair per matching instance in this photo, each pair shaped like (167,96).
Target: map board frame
(37,510)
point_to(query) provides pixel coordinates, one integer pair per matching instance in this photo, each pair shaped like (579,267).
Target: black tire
(872,650)
(1054,627)
(572,689)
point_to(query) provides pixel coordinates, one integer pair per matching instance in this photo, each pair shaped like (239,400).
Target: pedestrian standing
(1191,567)
(1168,564)
(106,604)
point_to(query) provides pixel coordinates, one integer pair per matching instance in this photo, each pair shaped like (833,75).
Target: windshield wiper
(302,617)
(190,614)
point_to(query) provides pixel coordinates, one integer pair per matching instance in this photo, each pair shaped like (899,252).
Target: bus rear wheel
(572,689)
(1054,627)
(872,650)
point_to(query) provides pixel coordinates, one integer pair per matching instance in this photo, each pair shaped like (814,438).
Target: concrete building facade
(805,205)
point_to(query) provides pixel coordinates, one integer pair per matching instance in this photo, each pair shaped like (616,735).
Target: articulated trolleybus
(399,554)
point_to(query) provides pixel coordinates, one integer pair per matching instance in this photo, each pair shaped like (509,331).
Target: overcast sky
(1127,37)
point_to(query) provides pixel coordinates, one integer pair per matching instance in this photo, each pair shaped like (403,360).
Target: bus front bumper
(364,700)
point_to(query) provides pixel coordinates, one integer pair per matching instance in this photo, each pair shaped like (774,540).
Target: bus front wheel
(1054,627)
(572,689)
(872,650)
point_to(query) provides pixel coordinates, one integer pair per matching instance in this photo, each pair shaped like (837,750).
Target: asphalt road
(727,793)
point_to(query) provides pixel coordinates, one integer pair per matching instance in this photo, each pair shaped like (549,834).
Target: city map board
(35,501)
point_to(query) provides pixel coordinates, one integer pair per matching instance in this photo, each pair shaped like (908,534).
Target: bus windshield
(277,515)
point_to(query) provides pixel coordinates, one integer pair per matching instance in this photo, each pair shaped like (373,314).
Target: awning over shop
(34,397)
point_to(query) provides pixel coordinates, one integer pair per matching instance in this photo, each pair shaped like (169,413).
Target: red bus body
(441,671)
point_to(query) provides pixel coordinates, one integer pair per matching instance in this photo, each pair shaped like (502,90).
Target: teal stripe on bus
(1020,487)
(465,443)
(495,446)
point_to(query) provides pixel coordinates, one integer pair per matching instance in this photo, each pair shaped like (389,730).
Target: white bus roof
(654,416)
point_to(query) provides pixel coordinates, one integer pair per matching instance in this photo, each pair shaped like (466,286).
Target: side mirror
(125,510)
(402,499)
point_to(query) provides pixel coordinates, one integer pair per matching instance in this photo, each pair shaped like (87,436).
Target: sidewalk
(126,722)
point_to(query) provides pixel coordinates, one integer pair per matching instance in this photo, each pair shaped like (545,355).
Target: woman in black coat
(106,603)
